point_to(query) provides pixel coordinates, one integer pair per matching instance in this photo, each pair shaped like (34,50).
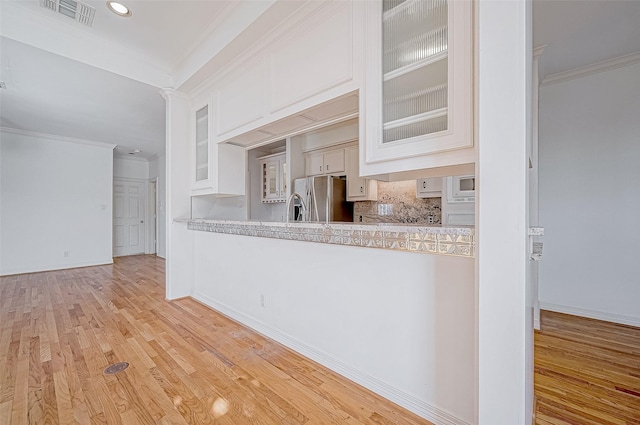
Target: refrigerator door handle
(330,198)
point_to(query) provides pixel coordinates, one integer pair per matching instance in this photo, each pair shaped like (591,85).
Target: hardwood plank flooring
(191,365)
(188,364)
(587,372)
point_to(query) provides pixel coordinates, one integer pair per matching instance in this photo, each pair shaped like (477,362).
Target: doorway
(153,218)
(128,218)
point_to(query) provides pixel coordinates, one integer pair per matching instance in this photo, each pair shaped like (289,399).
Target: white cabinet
(240,98)
(358,188)
(273,173)
(418,97)
(218,169)
(202,144)
(314,164)
(299,75)
(429,188)
(326,162)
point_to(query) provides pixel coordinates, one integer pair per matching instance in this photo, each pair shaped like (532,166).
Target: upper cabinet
(328,162)
(283,83)
(218,169)
(417,101)
(273,175)
(429,188)
(358,188)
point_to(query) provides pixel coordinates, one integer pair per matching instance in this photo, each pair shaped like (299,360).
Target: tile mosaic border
(456,241)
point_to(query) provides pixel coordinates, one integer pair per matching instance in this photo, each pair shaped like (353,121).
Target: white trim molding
(53,267)
(128,157)
(57,137)
(584,71)
(591,314)
(537,51)
(420,407)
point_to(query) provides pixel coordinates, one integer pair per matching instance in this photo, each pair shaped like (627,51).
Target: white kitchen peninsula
(391,307)
(399,323)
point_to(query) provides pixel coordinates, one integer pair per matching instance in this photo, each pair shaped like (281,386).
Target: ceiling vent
(76,10)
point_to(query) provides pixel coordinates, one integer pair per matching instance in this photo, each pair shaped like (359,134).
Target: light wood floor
(587,372)
(188,364)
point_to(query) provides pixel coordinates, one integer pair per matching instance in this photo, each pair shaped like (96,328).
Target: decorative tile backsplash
(397,203)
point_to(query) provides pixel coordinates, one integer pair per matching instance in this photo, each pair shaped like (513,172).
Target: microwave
(461,188)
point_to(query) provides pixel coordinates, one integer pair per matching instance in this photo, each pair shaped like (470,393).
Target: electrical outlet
(430,219)
(66,253)
(262,300)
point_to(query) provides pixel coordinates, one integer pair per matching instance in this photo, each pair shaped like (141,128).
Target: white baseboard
(591,314)
(52,267)
(409,402)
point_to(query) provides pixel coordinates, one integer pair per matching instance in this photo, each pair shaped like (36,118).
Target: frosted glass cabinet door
(202,144)
(418,77)
(274,179)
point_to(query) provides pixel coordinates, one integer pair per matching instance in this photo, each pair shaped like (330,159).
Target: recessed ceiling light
(118,8)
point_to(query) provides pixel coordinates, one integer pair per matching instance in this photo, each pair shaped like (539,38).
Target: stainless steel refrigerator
(324,199)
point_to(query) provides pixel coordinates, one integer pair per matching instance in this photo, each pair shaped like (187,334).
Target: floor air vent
(116,367)
(76,10)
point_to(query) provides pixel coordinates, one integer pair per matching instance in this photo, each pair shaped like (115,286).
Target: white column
(179,240)
(505,329)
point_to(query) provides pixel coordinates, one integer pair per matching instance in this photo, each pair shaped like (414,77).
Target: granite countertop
(424,239)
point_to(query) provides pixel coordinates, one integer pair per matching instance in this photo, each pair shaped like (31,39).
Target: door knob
(141,221)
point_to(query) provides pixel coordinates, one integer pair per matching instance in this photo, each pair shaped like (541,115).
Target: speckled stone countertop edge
(441,240)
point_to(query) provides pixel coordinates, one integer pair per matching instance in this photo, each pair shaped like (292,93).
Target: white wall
(399,323)
(130,168)
(56,199)
(157,170)
(589,195)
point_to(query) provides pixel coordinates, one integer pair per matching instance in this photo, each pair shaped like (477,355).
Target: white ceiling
(582,32)
(48,93)
(102,83)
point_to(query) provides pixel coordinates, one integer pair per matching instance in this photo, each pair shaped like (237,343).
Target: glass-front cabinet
(202,144)
(217,168)
(418,97)
(274,178)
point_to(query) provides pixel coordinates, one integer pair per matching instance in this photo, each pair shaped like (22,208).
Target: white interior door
(128,218)
(153,238)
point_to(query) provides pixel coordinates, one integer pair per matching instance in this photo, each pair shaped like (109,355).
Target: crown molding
(595,68)
(128,157)
(57,137)
(169,93)
(538,50)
